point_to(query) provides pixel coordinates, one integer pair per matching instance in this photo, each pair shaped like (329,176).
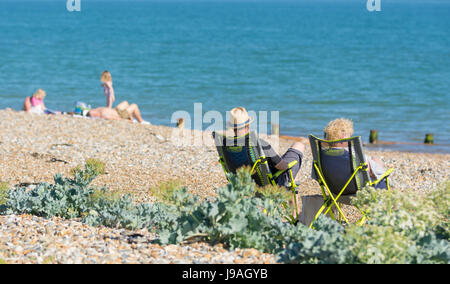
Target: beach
(33,148)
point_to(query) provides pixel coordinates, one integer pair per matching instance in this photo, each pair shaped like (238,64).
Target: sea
(308,61)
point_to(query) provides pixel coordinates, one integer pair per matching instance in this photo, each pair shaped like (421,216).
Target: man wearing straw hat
(240,123)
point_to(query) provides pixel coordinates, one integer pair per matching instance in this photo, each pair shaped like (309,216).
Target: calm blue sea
(312,61)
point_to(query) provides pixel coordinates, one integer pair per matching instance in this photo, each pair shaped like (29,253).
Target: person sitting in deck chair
(342,169)
(242,147)
(342,128)
(240,123)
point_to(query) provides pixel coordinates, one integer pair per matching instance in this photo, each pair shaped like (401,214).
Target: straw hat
(239,118)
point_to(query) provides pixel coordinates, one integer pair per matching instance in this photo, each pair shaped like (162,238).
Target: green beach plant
(402,228)
(4,186)
(164,192)
(92,169)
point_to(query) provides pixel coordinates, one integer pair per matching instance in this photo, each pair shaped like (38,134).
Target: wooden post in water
(373,138)
(429,139)
(275,129)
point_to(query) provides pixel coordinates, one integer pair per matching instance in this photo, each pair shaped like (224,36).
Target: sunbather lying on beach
(108,88)
(123,111)
(35,104)
(343,128)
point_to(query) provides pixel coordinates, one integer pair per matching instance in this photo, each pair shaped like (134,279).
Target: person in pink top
(108,88)
(35,104)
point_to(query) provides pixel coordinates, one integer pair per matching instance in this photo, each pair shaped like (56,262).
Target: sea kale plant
(236,218)
(401,227)
(76,198)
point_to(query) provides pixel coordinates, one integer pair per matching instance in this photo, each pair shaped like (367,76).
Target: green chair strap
(290,165)
(385,175)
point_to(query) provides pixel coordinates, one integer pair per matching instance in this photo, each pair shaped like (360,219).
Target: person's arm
(298,146)
(43,106)
(270,153)
(375,166)
(282,165)
(27,104)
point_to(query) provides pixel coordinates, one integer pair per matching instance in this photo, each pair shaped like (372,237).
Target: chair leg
(389,189)
(318,214)
(340,218)
(361,221)
(339,211)
(294,189)
(331,215)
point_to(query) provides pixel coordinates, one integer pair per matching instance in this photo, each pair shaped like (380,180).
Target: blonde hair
(39,94)
(106,77)
(339,129)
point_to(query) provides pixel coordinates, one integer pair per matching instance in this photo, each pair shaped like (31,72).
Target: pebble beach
(33,148)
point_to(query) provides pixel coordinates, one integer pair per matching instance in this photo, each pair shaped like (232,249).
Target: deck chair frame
(260,163)
(360,175)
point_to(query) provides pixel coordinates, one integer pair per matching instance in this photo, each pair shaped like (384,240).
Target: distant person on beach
(342,128)
(240,123)
(108,89)
(35,104)
(124,111)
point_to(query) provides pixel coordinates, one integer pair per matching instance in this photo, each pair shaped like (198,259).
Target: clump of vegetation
(280,194)
(4,186)
(92,169)
(49,260)
(236,218)
(164,192)
(402,228)
(273,192)
(76,198)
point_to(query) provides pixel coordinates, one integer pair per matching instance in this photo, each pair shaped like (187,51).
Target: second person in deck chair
(240,123)
(342,128)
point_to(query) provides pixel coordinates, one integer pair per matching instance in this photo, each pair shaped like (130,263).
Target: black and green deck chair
(341,172)
(237,152)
